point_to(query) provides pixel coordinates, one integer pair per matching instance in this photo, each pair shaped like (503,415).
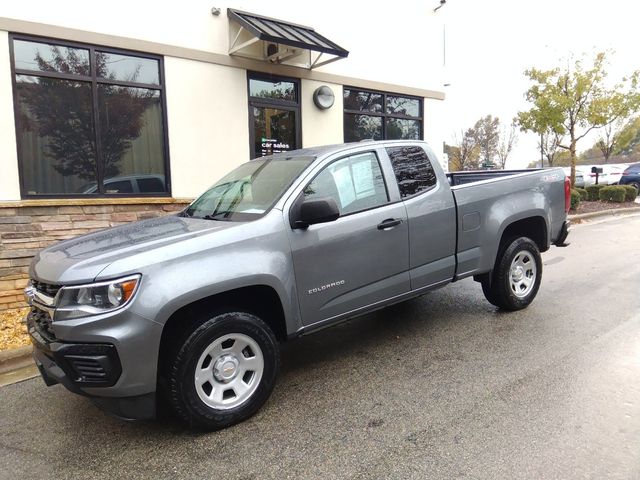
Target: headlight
(95,298)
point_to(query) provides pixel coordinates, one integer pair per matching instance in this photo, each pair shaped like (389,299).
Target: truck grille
(42,324)
(47,288)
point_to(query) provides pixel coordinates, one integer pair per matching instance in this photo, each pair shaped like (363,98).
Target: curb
(604,213)
(15,358)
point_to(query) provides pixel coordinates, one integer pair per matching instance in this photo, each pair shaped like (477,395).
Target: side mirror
(320,210)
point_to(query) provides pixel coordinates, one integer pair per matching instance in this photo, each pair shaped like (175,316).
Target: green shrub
(575,199)
(612,194)
(593,192)
(582,192)
(630,193)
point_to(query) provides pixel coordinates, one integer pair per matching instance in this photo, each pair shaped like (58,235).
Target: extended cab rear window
(413,169)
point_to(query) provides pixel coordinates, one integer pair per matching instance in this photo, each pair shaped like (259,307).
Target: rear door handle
(389,223)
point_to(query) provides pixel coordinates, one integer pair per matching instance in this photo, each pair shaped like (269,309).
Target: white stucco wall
(434,127)
(9,180)
(321,127)
(208,123)
(396,43)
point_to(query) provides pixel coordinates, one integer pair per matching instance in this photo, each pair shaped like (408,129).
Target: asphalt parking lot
(443,386)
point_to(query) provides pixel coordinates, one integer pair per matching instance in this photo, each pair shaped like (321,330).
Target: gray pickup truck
(190,308)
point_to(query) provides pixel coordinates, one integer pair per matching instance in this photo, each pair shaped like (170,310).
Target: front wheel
(517,276)
(224,371)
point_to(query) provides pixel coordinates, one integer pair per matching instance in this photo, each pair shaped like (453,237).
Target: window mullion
(96,121)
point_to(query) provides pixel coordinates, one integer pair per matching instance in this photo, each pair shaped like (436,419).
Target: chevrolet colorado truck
(191,308)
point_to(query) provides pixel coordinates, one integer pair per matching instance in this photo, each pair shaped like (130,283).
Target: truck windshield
(249,191)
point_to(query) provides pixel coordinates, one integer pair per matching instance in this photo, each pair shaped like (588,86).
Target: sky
(490,43)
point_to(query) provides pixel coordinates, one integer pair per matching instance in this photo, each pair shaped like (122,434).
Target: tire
(223,371)
(635,184)
(516,278)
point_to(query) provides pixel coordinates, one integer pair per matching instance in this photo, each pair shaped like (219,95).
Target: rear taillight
(567,194)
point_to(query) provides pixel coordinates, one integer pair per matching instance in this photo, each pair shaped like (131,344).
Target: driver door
(360,259)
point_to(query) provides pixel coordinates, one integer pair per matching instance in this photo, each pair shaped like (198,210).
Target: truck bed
(460,178)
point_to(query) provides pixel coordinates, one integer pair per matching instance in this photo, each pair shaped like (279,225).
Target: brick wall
(27,227)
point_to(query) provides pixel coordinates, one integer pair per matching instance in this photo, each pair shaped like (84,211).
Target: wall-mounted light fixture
(323,97)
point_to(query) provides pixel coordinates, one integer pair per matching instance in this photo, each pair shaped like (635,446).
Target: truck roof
(329,149)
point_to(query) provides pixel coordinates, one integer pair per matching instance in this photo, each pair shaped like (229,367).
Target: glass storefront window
(84,132)
(370,115)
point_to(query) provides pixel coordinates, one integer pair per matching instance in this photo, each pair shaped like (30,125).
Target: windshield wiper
(220,216)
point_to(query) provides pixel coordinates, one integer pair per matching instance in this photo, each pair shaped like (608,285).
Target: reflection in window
(47,57)
(128,68)
(57,150)
(279,90)
(413,169)
(355,183)
(131,134)
(61,149)
(399,128)
(403,106)
(275,130)
(362,127)
(376,116)
(362,101)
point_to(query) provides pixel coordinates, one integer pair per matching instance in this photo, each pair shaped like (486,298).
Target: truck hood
(81,259)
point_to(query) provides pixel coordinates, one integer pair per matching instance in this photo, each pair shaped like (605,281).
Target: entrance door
(274,114)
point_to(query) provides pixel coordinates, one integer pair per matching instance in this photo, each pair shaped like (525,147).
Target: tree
(464,154)
(617,136)
(487,137)
(549,144)
(573,101)
(616,110)
(507,140)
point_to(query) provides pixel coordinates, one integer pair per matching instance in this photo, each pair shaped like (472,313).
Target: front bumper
(91,369)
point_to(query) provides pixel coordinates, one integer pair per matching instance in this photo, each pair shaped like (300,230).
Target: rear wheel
(517,276)
(224,371)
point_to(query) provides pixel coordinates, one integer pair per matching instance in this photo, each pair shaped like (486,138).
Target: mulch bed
(588,207)
(13,332)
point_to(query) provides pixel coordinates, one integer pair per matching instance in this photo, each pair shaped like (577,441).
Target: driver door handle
(389,223)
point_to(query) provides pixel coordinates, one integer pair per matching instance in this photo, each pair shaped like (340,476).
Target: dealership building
(128,110)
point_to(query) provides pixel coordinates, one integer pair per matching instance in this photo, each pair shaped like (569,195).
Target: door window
(274,130)
(356,183)
(413,170)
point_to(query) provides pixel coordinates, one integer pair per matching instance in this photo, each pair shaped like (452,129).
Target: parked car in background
(614,172)
(579,176)
(631,176)
(130,184)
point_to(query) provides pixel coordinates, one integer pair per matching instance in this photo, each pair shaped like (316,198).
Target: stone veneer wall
(28,226)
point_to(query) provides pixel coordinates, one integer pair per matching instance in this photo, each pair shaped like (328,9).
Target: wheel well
(533,227)
(260,300)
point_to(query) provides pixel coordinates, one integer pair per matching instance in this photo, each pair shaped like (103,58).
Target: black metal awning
(293,39)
